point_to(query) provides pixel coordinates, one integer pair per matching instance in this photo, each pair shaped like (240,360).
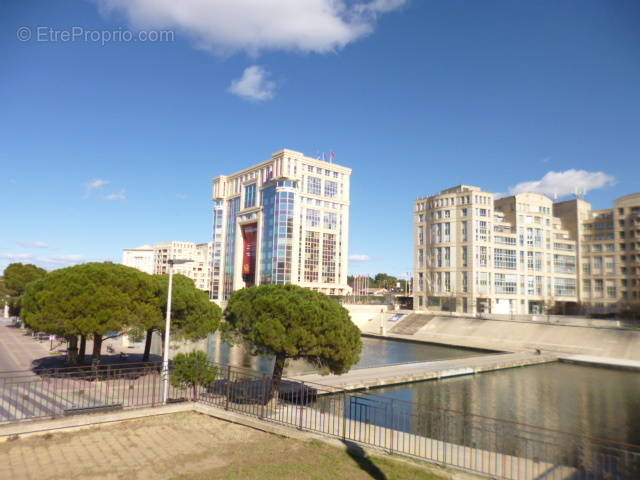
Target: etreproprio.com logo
(46,34)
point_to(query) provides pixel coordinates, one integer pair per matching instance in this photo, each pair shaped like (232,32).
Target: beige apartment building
(284,220)
(154,259)
(524,254)
(608,252)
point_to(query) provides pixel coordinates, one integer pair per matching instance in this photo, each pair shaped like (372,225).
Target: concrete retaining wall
(516,336)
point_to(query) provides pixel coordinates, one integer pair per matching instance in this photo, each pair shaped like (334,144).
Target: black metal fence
(485,445)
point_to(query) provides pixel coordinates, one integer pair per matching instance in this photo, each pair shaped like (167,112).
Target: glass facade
(250,196)
(277,238)
(218,223)
(233,207)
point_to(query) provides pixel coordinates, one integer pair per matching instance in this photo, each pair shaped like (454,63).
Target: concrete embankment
(604,346)
(365,378)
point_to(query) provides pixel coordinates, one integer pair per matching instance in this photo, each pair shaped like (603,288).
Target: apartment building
(608,252)
(155,260)
(142,258)
(284,220)
(476,253)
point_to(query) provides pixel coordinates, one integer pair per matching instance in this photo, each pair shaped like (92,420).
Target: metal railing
(502,449)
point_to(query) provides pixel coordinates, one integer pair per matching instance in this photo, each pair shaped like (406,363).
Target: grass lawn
(190,446)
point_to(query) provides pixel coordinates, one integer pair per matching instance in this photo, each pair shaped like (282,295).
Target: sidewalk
(18,349)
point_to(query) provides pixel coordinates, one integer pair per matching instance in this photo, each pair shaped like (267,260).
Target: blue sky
(108,146)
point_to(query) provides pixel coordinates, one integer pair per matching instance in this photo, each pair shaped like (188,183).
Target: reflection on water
(574,399)
(375,352)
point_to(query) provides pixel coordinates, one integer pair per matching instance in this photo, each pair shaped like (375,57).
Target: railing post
(392,430)
(300,405)
(226,406)
(265,397)
(344,415)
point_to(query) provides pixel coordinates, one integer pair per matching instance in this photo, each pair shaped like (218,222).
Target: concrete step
(411,323)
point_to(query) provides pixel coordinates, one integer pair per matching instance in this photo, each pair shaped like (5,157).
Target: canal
(375,352)
(559,397)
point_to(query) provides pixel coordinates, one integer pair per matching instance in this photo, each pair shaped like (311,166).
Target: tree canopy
(89,299)
(193,315)
(94,299)
(289,321)
(14,283)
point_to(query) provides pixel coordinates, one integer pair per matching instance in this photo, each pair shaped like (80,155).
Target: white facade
(155,260)
(141,258)
(285,220)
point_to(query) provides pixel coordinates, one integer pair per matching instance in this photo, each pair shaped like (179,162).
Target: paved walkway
(18,349)
(602,361)
(412,372)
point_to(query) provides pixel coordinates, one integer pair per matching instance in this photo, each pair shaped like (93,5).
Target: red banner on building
(249,235)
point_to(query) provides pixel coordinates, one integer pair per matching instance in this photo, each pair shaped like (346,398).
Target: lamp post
(167,332)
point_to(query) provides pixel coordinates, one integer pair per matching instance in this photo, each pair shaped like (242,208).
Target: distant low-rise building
(155,260)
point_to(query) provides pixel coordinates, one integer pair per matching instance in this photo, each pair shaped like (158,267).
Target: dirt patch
(188,446)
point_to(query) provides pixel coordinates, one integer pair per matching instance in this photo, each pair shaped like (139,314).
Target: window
(483,280)
(505,240)
(564,263)
(313,185)
(420,258)
(597,263)
(506,283)
(565,287)
(464,256)
(505,258)
(313,218)
(447,281)
(598,285)
(250,196)
(330,220)
(482,257)
(330,188)
(447,232)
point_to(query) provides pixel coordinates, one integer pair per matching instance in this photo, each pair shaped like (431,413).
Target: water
(580,400)
(575,399)
(375,352)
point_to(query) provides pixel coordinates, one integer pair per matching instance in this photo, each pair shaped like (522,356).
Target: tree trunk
(278,368)
(72,350)
(147,345)
(83,348)
(97,348)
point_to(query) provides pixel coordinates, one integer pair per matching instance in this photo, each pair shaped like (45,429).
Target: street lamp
(167,330)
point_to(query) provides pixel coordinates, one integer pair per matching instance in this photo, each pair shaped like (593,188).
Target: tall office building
(155,260)
(285,220)
(524,253)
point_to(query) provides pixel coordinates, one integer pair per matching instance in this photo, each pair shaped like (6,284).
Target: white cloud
(17,256)
(356,257)
(34,244)
(95,184)
(49,261)
(228,26)
(253,84)
(121,195)
(180,196)
(561,184)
